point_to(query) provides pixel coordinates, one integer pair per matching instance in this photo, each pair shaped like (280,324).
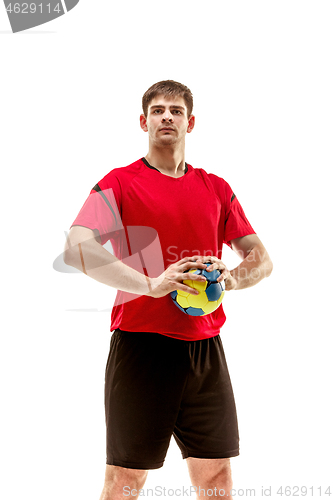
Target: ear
(191,123)
(143,123)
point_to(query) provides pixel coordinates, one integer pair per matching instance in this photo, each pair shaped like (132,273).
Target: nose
(167,116)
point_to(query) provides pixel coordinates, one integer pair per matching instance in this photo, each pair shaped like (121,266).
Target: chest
(168,205)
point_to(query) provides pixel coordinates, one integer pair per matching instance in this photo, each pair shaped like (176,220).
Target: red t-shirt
(153,220)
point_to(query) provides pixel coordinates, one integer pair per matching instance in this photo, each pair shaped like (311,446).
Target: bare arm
(256,263)
(84,252)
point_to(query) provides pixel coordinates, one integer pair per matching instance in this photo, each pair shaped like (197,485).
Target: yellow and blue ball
(211,293)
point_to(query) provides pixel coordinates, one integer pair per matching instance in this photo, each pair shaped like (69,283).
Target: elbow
(269,267)
(68,257)
(266,262)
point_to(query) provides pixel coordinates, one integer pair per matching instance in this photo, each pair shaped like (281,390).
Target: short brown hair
(168,88)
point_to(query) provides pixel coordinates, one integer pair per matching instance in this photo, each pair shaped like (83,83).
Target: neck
(169,161)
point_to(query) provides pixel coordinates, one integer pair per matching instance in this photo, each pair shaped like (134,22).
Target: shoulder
(220,186)
(120,176)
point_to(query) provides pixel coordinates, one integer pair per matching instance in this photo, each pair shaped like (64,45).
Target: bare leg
(211,474)
(119,480)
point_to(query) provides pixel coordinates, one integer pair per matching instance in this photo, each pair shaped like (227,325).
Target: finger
(212,267)
(192,276)
(193,265)
(217,266)
(188,259)
(193,258)
(187,289)
(199,258)
(210,260)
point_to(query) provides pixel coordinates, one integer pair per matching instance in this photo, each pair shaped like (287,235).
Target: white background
(261,75)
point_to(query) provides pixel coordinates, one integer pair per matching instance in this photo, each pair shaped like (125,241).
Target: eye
(177,111)
(157,111)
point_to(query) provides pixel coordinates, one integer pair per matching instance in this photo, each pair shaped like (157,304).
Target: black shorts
(158,386)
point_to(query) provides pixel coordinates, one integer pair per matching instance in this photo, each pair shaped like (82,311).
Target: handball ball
(211,293)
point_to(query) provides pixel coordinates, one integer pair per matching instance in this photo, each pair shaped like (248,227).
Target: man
(166,373)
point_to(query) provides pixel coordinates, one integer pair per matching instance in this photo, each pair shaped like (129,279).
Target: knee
(120,477)
(220,478)
(211,474)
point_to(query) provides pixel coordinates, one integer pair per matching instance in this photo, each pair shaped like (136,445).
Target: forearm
(256,266)
(96,262)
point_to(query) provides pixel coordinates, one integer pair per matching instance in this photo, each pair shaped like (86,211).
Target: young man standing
(166,372)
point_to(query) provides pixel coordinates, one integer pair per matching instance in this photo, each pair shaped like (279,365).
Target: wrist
(152,285)
(231,283)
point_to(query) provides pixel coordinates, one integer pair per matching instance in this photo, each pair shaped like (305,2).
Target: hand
(230,282)
(173,276)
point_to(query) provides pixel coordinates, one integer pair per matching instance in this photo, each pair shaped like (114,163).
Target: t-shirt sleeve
(102,208)
(236,223)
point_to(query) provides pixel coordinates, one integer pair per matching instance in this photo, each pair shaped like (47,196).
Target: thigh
(207,424)
(144,379)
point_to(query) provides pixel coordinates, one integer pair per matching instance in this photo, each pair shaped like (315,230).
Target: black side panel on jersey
(98,190)
(233,196)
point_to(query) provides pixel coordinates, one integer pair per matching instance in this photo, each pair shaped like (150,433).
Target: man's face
(167,122)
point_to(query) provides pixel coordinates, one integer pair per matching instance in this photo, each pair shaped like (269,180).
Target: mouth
(166,129)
